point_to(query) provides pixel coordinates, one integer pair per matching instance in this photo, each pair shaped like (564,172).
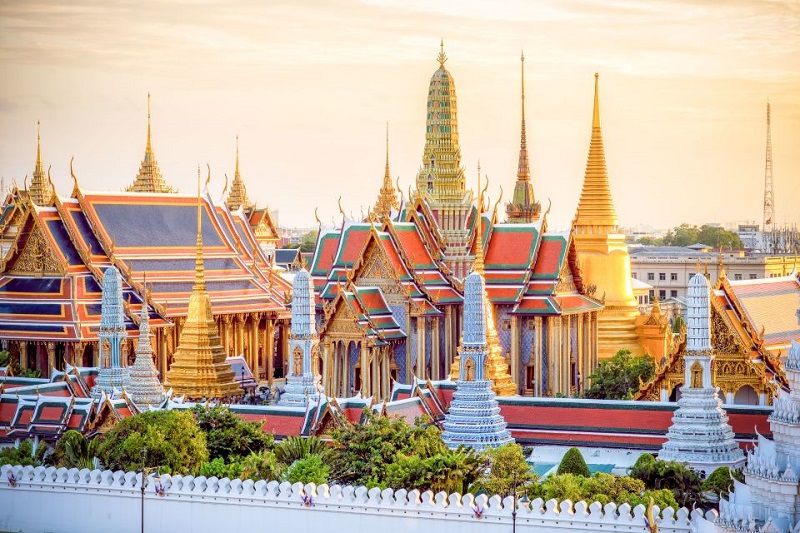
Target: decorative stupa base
(616,330)
(700,435)
(496,372)
(300,391)
(474,418)
(144,388)
(109,379)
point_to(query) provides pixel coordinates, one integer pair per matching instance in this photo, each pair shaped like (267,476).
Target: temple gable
(37,256)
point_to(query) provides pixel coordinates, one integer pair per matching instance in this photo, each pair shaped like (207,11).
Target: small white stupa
(700,435)
(113,372)
(144,387)
(474,417)
(302,382)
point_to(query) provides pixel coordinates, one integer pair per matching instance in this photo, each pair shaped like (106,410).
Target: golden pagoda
(149,178)
(523,207)
(41,190)
(496,367)
(387,197)
(602,252)
(238,196)
(198,368)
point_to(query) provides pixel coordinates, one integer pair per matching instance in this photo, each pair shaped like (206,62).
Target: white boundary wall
(50,499)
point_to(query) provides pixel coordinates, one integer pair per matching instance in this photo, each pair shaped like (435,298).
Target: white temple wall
(47,499)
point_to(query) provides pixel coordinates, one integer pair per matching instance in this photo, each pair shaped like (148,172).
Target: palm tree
(294,448)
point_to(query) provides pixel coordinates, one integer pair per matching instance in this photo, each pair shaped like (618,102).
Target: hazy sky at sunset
(309,86)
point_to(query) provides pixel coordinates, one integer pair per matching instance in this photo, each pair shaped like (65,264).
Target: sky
(309,87)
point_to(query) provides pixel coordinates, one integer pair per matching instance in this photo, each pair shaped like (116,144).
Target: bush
(618,378)
(24,454)
(262,465)
(73,450)
(229,436)
(172,440)
(720,480)
(656,474)
(573,463)
(310,469)
(507,466)
(219,469)
(294,448)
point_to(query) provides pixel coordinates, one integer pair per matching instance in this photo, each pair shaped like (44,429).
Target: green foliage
(650,241)
(507,467)
(293,449)
(573,463)
(686,235)
(618,378)
(73,450)
(678,324)
(363,452)
(5,358)
(24,454)
(445,470)
(228,436)
(307,243)
(29,373)
(720,480)
(219,468)
(682,481)
(603,488)
(262,465)
(172,440)
(309,469)
(644,460)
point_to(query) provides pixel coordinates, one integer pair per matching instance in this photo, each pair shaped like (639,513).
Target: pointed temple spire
(474,418)
(113,356)
(302,381)
(596,207)
(700,410)
(238,196)
(442,57)
(387,197)
(479,266)
(145,389)
(41,191)
(523,207)
(199,369)
(149,178)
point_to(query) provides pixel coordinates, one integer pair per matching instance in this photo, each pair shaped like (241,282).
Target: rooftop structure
(198,369)
(303,380)
(603,252)
(237,197)
(700,434)
(113,353)
(387,197)
(41,189)
(474,417)
(144,387)
(523,207)
(149,178)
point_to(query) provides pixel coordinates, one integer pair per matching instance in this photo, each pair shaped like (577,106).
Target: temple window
(662,276)
(673,276)
(651,276)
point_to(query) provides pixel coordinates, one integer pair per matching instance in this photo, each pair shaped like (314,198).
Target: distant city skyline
(309,87)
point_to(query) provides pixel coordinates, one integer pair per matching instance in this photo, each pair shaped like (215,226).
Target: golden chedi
(602,252)
(198,369)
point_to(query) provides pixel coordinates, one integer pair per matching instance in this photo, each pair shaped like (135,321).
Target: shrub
(507,465)
(73,450)
(573,463)
(229,436)
(24,454)
(172,440)
(294,448)
(310,469)
(720,480)
(262,465)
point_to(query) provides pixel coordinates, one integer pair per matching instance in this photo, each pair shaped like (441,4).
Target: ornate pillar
(514,353)
(285,345)
(337,348)
(51,358)
(435,362)
(421,347)
(23,355)
(448,338)
(537,356)
(364,369)
(162,352)
(255,319)
(326,364)
(551,356)
(269,348)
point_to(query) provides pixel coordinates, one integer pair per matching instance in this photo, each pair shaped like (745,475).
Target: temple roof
(149,178)
(41,189)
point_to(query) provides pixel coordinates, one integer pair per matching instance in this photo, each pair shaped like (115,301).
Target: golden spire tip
(442,57)
(596,111)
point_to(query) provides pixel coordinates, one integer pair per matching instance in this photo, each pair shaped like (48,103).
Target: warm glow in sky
(309,86)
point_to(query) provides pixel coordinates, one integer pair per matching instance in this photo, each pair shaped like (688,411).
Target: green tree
(73,450)
(573,463)
(309,469)
(445,470)
(24,454)
(172,440)
(656,474)
(507,466)
(717,236)
(308,242)
(650,241)
(618,378)
(228,435)
(720,481)
(218,468)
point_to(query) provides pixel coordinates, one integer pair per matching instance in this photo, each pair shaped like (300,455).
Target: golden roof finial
(479,267)
(199,269)
(720,265)
(596,111)
(522,60)
(38,145)
(441,57)
(236,171)
(387,197)
(148,146)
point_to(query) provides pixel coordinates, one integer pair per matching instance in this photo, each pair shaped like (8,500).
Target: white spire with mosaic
(700,435)
(112,374)
(145,388)
(302,380)
(474,417)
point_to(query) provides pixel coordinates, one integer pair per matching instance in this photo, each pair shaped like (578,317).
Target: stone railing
(50,499)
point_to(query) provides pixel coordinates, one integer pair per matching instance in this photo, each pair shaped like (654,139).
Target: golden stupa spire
(41,189)
(149,178)
(596,207)
(238,196)
(523,207)
(387,197)
(479,266)
(442,57)
(523,170)
(199,369)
